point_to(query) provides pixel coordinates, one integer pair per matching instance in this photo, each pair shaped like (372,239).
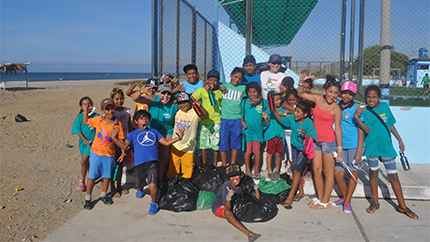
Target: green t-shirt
(213,111)
(296,135)
(426,80)
(274,128)
(162,116)
(231,100)
(252,115)
(378,141)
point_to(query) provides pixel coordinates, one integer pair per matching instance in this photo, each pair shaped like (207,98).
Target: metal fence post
(248,27)
(178,43)
(342,41)
(360,47)
(351,41)
(154,53)
(193,36)
(385,48)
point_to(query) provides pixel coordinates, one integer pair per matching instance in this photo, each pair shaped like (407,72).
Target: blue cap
(213,73)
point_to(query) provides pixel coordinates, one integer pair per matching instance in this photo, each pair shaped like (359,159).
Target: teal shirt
(162,116)
(274,128)
(252,115)
(296,136)
(231,100)
(378,141)
(88,132)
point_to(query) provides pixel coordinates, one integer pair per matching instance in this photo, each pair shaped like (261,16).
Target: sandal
(257,177)
(253,236)
(117,194)
(297,198)
(287,206)
(321,205)
(124,191)
(408,212)
(313,202)
(372,208)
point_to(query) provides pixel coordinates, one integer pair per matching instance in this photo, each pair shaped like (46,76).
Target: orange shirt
(140,106)
(103,143)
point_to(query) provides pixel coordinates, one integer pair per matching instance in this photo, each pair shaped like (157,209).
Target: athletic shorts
(209,136)
(146,173)
(230,135)
(220,211)
(389,163)
(253,147)
(325,147)
(299,159)
(101,166)
(275,145)
(348,157)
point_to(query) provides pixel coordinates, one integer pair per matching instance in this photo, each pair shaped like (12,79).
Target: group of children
(251,112)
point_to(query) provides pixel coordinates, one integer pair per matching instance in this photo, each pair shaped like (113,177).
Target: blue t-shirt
(349,128)
(252,115)
(162,116)
(248,79)
(191,88)
(145,143)
(274,128)
(296,135)
(220,198)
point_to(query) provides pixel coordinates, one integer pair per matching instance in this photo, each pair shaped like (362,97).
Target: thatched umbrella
(14,68)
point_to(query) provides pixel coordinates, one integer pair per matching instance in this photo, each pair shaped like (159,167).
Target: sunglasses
(115,91)
(331,83)
(166,92)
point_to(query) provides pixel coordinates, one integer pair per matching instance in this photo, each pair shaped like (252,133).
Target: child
(254,118)
(122,114)
(302,129)
(291,99)
(210,127)
(221,206)
(86,137)
(249,65)
(352,144)
(182,152)
(231,128)
(271,79)
(192,83)
(326,113)
(152,83)
(274,138)
(102,158)
(425,83)
(145,142)
(379,146)
(411,83)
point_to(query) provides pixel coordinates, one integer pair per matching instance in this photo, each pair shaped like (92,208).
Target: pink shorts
(253,147)
(220,211)
(275,145)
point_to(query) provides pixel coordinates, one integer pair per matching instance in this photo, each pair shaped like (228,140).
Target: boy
(271,79)
(182,152)
(192,83)
(102,158)
(249,65)
(231,128)
(145,142)
(425,83)
(210,127)
(221,205)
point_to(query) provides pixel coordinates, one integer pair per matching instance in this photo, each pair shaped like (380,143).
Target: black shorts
(146,173)
(426,86)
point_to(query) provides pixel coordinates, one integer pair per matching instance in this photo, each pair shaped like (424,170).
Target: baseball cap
(233,170)
(167,75)
(182,97)
(152,82)
(349,86)
(165,88)
(213,73)
(275,58)
(105,102)
(249,59)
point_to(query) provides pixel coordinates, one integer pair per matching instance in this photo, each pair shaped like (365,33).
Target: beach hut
(6,68)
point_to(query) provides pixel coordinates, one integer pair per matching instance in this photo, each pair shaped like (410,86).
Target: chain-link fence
(308,35)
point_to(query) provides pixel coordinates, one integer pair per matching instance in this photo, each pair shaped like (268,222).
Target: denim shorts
(325,147)
(348,157)
(299,159)
(389,163)
(101,166)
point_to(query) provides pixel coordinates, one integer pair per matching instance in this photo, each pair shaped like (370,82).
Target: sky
(115,36)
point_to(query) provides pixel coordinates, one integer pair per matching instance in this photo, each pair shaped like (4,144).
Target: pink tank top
(323,122)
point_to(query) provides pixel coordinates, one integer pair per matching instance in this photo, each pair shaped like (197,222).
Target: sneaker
(153,208)
(274,176)
(139,193)
(347,208)
(87,205)
(81,187)
(107,200)
(338,203)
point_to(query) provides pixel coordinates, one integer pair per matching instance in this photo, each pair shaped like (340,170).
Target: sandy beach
(35,158)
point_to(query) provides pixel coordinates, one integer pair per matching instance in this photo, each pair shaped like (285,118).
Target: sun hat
(349,86)
(233,170)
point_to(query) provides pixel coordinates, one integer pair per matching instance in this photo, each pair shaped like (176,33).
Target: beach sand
(34,155)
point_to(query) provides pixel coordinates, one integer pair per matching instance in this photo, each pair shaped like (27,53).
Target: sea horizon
(69,76)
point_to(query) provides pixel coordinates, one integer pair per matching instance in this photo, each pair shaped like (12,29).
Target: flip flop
(253,237)
(372,208)
(117,194)
(124,191)
(408,212)
(287,206)
(297,198)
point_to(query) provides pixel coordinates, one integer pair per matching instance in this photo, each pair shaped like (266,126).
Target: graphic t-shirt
(86,130)
(231,100)
(189,122)
(162,116)
(123,116)
(296,136)
(252,115)
(270,82)
(103,143)
(145,143)
(213,111)
(191,88)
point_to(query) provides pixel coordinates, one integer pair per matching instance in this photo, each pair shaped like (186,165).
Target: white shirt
(270,82)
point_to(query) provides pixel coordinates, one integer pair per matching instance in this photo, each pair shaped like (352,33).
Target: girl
(379,147)
(291,98)
(302,129)
(254,118)
(122,114)
(326,113)
(352,144)
(86,137)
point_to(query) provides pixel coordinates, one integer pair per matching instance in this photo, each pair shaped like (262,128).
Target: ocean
(67,76)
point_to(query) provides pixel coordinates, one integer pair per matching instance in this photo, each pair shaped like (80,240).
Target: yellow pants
(180,160)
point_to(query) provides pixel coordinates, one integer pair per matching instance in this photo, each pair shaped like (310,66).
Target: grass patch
(129,83)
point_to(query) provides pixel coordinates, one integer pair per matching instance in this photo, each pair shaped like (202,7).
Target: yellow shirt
(189,122)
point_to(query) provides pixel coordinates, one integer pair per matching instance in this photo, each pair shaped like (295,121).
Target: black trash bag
(276,198)
(208,178)
(178,195)
(247,184)
(247,208)
(20,118)
(286,178)
(265,67)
